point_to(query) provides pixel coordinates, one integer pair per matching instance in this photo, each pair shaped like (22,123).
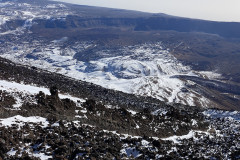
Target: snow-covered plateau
(147,69)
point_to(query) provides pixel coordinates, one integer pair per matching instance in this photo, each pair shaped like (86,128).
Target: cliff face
(223,29)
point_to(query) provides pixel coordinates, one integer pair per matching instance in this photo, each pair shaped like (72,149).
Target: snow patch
(13,87)
(20,121)
(177,139)
(130,152)
(132,112)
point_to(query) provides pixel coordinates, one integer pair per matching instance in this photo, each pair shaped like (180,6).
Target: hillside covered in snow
(108,52)
(81,82)
(41,123)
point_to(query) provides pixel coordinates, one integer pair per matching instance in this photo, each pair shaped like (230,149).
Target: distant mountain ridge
(87,16)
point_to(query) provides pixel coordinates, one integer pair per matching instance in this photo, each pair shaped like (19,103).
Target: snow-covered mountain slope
(14,10)
(145,69)
(41,34)
(24,15)
(87,121)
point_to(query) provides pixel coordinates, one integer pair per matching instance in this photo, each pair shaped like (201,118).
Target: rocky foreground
(86,129)
(78,120)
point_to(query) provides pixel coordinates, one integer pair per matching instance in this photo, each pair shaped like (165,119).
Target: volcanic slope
(83,120)
(111,48)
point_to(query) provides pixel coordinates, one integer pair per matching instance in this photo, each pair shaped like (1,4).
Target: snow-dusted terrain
(146,69)
(217,132)
(19,91)
(28,12)
(86,121)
